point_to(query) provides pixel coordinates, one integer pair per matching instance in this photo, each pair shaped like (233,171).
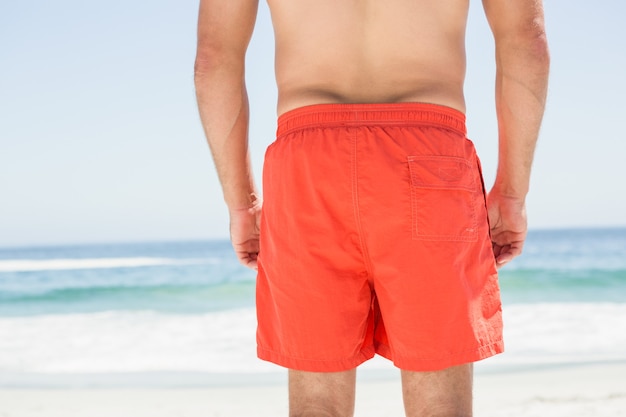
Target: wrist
(250,202)
(510,191)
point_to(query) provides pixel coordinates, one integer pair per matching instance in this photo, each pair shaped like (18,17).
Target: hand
(244,233)
(507,217)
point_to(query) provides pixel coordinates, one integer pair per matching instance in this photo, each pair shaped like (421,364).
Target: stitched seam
(415,182)
(321,125)
(414,207)
(380,114)
(355,204)
(478,349)
(363,352)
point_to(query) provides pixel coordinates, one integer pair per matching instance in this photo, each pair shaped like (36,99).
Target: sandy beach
(593,390)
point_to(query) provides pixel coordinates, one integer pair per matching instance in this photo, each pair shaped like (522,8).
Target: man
(375,233)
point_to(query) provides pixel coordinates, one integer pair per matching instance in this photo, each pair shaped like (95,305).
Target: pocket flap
(442,172)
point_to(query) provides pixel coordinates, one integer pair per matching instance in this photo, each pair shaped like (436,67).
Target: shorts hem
(437,364)
(315,365)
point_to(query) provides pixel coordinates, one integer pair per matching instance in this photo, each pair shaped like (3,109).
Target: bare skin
(368,51)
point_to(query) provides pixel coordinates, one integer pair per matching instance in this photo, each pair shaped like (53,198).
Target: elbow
(216,62)
(538,50)
(529,49)
(535,42)
(206,63)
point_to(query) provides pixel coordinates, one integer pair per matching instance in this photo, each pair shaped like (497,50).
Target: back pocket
(443,196)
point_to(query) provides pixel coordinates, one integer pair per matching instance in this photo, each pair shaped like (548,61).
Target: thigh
(440,393)
(322,393)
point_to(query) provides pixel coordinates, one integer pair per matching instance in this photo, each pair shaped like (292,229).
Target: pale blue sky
(100,139)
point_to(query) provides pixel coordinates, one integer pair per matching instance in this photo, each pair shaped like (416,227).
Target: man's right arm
(522,66)
(224,31)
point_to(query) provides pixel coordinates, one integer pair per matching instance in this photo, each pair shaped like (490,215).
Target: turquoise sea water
(176,277)
(568,265)
(189,306)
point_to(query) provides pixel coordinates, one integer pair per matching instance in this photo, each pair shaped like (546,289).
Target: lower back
(368,51)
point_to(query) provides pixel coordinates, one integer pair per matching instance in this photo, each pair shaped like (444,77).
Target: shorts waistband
(399,114)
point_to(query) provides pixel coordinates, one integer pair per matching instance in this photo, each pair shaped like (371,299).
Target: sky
(100,139)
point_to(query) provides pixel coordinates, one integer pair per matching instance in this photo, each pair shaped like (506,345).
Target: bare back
(359,51)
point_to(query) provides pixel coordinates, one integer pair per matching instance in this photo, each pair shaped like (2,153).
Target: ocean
(184,311)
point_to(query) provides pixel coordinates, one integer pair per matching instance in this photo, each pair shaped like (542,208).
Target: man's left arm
(224,31)
(522,67)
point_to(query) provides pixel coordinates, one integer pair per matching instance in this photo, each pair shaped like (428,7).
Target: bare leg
(321,394)
(446,393)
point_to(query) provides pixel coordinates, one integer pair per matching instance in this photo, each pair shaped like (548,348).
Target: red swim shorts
(375,239)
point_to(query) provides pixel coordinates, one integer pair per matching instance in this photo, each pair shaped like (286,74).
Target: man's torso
(369,51)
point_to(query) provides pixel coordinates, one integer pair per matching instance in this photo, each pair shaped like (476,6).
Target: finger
(252,264)
(503,260)
(496,249)
(501,253)
(515,249)
(248,259)
(508,253)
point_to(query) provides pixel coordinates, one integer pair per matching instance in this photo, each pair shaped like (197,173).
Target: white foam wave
(127,341)
(20,265)
(563,333)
